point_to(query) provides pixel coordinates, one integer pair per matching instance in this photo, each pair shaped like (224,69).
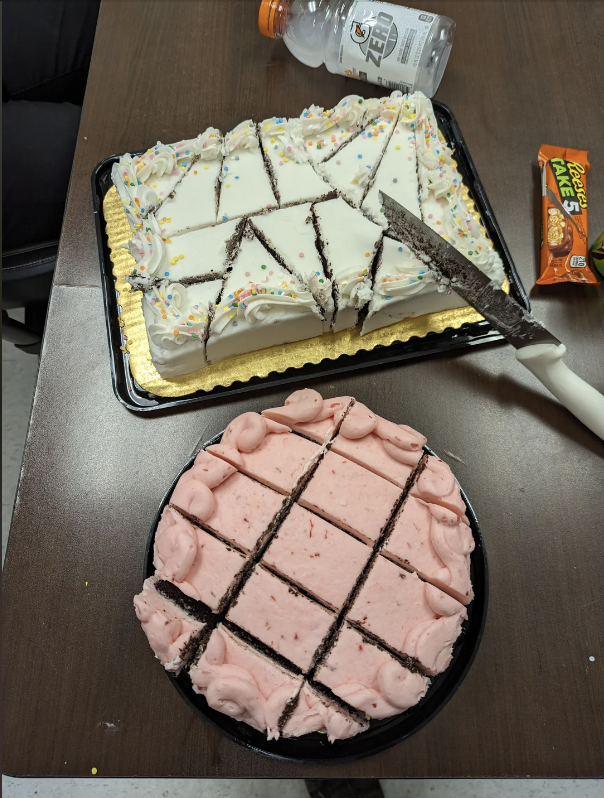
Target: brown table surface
(81,687)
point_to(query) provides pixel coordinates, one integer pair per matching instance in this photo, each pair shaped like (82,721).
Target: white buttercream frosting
(145,181)
(442,203)
(242,137)
(176,318)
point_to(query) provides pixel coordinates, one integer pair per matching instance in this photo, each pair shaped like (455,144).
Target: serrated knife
(536,348)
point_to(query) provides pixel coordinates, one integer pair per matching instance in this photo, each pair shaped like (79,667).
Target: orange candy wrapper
(564,216)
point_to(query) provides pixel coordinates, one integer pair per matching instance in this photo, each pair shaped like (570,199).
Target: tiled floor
(18,382)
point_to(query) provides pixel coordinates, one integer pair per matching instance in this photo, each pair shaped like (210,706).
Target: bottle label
(383,43)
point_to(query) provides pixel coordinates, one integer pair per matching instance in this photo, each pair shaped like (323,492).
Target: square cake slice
(176,317)
(233,506)
(349,242)
(351,497)
(315,712)
(245,185)
(289,235)
(200,565)
(354,166)
(261,305)
(436,543)
(369,678)
(242,682)
(172,622)
(390,450)
(324,132)
(404,288)
(192,257)
(279,616)
(294,179)
(397,172)
(436,484)
(194,201)
(409,615)
(306,412)
(267,451)
(312,553)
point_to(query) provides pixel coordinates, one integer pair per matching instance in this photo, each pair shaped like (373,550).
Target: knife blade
(457,273)
(536,348)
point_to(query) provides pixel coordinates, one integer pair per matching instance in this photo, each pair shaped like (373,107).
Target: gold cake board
(254,364)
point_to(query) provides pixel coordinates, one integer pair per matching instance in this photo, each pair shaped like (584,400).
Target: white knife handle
(583,401)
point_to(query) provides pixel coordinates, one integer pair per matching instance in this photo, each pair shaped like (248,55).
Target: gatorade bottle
(393,46)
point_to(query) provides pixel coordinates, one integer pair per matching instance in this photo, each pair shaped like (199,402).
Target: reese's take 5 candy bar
(564,216)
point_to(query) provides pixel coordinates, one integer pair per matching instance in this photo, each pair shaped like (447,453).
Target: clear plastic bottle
(393,46)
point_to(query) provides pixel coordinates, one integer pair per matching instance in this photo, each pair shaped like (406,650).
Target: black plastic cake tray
(382,734)
(136,398)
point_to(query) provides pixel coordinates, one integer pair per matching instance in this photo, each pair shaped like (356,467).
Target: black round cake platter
(382,734)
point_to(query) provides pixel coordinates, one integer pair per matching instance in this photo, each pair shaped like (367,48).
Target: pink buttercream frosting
(350,496)
(288,622)
(193,492)
(267,451)
(437,485)
(306,412)
(315,713)
(410,615)
(436,543)
(168,628)
(369,678)
(225,501)
(317,555)
(242,683)
(199,564)
(390,450)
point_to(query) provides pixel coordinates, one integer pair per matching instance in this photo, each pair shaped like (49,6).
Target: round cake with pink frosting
(311,570)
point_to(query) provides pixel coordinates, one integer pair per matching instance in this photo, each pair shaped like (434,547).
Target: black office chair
(46,50)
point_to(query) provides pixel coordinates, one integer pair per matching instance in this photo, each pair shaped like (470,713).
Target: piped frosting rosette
(286,135)
(254,304)
(242,137)
(147,248)
(406,279)
(431,641)
(235,691)
(175,319)
(396,690)
(145,181)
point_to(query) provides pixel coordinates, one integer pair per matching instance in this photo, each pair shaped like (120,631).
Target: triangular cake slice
(404,287)
(195,256)
(316,712)
(352,169)
(242,682)
(145,181)
(245,186)
(324,132)
(194,202)
(261,305)
(397,172)
(176,317)
(349,242)
(172,622)
(294,179)
(290,235)
(442,204)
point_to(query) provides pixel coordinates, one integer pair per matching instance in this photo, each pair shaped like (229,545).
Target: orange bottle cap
(266,18)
